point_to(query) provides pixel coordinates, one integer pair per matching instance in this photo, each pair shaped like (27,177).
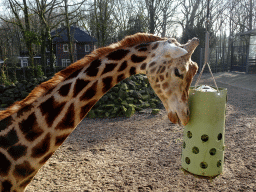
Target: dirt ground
(143,153)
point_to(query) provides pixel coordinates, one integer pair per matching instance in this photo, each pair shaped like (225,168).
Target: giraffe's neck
(29,137)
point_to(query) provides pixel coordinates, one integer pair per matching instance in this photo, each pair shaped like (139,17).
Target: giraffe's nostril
(188,112)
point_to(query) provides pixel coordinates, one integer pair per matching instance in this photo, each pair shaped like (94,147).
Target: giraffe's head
(170,74)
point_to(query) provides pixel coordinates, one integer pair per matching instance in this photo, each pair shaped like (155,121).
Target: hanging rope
(207,52)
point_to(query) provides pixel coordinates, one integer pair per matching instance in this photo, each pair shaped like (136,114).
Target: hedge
(131,95)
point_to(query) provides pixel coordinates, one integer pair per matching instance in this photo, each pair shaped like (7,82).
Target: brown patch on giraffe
(90,92)
(159,91)
(9,139)
(107,84)
(24,110)
(123,66)
(170,61)
(51,109)
(79,86)
(142,49)
(169,92)
(5,123)
(157,86)
(120,78)
(44,87)
(60,139)
(6,186)
(142,46)
(64,90)
(109,67)
(153,55)
(26,182)
(93,68)
(161,78)
(152,64)
(46,158)
(42,147)
(143,66)
(153,70)
(161,69)
(30,128)
(85,109)
(165,85)
(67,121)
(155,46)
(118,54)
(137,59)
(5,165)
(74,74)
(167,75)
(132,71)
(157,80)
(23,170)
(17,151)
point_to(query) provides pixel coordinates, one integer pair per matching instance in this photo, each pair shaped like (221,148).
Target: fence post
(201,59)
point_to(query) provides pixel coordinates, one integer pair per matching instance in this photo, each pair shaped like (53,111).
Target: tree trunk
(70,48)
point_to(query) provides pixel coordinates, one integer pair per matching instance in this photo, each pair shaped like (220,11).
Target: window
(48,62)
(65,47)
(24,62)
(65,62)
(87,48)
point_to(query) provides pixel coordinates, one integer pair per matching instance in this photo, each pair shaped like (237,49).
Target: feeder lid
(205,88)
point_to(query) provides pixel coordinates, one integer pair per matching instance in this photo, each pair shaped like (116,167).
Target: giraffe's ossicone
(31,130)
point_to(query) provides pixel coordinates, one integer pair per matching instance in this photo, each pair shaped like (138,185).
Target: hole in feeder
(204,138)
(195,150)
(189,134)
(184,145)
(219,163)
(212,151)
(203,165)
(219,136)
(187,160)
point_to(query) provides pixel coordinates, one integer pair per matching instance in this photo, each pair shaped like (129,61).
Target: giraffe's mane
(59,77)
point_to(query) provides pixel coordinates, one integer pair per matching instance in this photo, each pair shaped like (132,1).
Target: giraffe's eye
(177,73)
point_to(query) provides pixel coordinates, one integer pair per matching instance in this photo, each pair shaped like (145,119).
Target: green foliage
(32,37)
(4,78)
(39,71)
(124,99)
(127,97)
(9,93)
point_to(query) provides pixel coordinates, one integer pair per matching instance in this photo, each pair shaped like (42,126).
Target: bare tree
(23,22)
(101,21)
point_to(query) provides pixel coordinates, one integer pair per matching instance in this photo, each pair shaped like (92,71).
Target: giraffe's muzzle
(176,119)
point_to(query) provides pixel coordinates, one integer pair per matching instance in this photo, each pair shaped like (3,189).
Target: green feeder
(203,146)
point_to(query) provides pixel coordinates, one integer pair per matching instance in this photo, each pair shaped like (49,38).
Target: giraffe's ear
(176,52)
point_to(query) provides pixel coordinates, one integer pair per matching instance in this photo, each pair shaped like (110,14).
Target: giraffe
(31,130)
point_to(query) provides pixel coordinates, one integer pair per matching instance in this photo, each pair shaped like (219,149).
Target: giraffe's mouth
(174,118)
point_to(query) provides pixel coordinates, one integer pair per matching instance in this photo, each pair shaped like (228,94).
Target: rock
(124,86)
(130,111)
(91,114)
(155,111)
(24,94)
(3,105)
(2,88)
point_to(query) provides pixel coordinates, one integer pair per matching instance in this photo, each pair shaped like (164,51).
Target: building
(247,43)
(82,44)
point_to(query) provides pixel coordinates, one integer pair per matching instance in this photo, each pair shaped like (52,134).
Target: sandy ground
(143,153)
